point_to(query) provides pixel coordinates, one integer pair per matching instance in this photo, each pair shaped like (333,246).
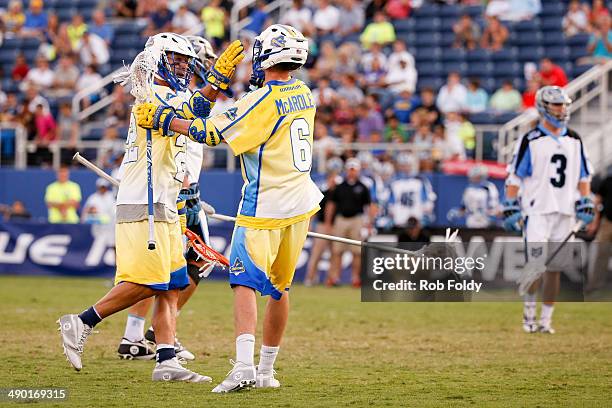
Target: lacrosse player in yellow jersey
(271,129)
(135,344)
(143,273)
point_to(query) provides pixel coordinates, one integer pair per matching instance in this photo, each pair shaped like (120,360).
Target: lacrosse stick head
(142,74)
(206,253)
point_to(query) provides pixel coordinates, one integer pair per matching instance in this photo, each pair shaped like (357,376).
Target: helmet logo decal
(279,41)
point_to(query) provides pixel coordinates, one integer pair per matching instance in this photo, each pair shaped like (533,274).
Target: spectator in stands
(125,8)
(495,35)
(93,50)
(395,131)
(428,104)
(375,53)
(403,105)
(99,208)
(33,98)
(349,59)
(374,75)
(214,18)
(63,198)
(323,94)
(160,20)
(477,98)
(327,61)
(506,98)
(349,90)
(401,69)
(65,77)
(10,109)
(398,9)
(369,121)
(352,18)
(20,69)
(89,78)
(344,117)
(184,19)
(576,19)
(529,95)
(76,29)
(105,31)
(41,75)
(461,141)
(600,43)
(551,74)
(453,95)
(422,140)
(598,10)
(36,19)
(467,33)
(17,212)
(345,216)
(259,18)
(379,31)
(61,41)
(120,106)
(299,17)
(14,19)
(326,18)
(325,144)
(67,131)
(46,133)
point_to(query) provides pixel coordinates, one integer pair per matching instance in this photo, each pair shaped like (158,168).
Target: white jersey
(480,201)
(411,197)
(168,154)
(104,205)
(548,169)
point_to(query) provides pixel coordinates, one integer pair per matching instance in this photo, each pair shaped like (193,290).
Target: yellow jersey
(271,129)
(168,153)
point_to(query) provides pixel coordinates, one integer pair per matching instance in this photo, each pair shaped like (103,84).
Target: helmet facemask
(179,81)
(553,104)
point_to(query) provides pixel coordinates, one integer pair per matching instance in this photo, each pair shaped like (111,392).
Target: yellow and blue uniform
(163,268)
(271,129)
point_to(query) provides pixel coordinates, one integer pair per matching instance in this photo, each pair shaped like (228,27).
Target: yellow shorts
(265,259)
(163,268)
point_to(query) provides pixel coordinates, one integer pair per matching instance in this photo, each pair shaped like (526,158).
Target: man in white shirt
(452,96)
(41,76)
(184,19)
(326,18)
(298,16)
(93,50)
(401,71)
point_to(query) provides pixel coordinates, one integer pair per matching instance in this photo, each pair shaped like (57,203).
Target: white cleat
(530,327)
(240,377)
(266,380)
(181,352)
(172,370)
(74,335)
(546,329)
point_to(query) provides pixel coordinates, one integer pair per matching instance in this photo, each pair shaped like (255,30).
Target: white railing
(237,24)
(21,137)
(590,94)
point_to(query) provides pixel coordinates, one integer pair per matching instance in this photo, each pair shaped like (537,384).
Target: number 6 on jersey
(300,147)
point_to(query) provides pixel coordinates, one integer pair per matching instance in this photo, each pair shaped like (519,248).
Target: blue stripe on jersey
(282,83)
(584,168)
(248,110)
(261,149)
(164,103)
(278,123)
(523,167)
(252,167)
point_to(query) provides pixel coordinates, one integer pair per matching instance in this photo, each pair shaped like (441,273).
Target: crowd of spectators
(364,77)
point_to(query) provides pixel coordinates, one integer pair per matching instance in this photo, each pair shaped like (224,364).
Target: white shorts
(543,233)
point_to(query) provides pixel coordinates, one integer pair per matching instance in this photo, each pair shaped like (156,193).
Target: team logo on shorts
(237,268)
(231,113)
(536,252)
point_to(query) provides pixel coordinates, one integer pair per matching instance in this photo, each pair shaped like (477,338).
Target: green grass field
(337,352)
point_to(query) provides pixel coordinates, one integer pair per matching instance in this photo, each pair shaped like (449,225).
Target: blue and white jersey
(481,202)
(411,196)
(548,169)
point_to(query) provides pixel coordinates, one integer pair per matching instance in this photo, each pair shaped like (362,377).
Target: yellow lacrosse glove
(204,131)
(156,117)
(220,75)
(182,213)
(198,107)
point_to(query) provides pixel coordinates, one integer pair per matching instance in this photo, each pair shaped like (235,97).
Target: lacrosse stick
(141,77)
(534,271)
(207,254)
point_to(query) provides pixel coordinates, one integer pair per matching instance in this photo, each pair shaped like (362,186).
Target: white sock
(245,349)
(546,315)
(267,356)
(134,328)
(529,307)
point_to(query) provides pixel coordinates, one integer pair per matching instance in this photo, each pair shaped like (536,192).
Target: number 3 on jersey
(560,161)
(300,147)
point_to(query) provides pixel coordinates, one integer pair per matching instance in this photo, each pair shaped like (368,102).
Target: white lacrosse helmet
(553,95)
(204,51)
(171,43)
(478,173)
(282,43)
(408,163)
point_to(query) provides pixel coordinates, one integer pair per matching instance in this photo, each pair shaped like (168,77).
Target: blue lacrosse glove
(191,196)
(258,76)
(585,210)
(512,215)
(454,214)
(198,106)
